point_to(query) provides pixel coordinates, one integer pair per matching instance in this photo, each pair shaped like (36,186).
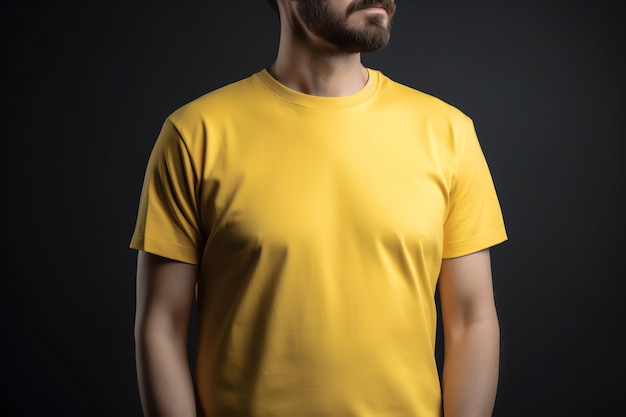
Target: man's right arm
(165,291)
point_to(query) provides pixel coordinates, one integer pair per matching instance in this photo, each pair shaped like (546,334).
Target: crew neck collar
(283,92)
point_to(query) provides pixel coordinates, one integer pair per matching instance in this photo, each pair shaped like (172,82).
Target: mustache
(388,5)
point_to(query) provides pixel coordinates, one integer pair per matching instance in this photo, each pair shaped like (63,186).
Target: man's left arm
(471,336)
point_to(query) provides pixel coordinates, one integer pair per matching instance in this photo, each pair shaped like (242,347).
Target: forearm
(471,365)
(165,382)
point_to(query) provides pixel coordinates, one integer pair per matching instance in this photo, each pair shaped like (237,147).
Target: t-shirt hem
(165,249)
(478,243)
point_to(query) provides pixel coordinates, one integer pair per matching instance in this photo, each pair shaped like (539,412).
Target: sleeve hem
(478,243)
(166,249)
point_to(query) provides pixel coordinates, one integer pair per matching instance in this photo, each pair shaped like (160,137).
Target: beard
(334,29)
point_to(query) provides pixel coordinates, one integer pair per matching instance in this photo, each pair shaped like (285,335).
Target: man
(313,209)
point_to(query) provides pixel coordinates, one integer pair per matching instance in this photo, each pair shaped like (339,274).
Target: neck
(316,68)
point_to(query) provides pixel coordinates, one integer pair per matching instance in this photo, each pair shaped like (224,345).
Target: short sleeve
(168,221)
(474,220)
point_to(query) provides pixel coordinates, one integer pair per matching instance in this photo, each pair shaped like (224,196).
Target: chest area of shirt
(293,187)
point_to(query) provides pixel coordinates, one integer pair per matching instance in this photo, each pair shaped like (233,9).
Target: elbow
(486,327)
(150,329)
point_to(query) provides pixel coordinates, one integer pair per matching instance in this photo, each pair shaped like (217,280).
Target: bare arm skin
(165,291)
(471,336)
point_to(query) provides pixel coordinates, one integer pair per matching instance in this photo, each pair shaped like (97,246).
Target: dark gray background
(86,88)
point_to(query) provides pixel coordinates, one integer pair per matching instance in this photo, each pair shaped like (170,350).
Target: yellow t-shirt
(319,224)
